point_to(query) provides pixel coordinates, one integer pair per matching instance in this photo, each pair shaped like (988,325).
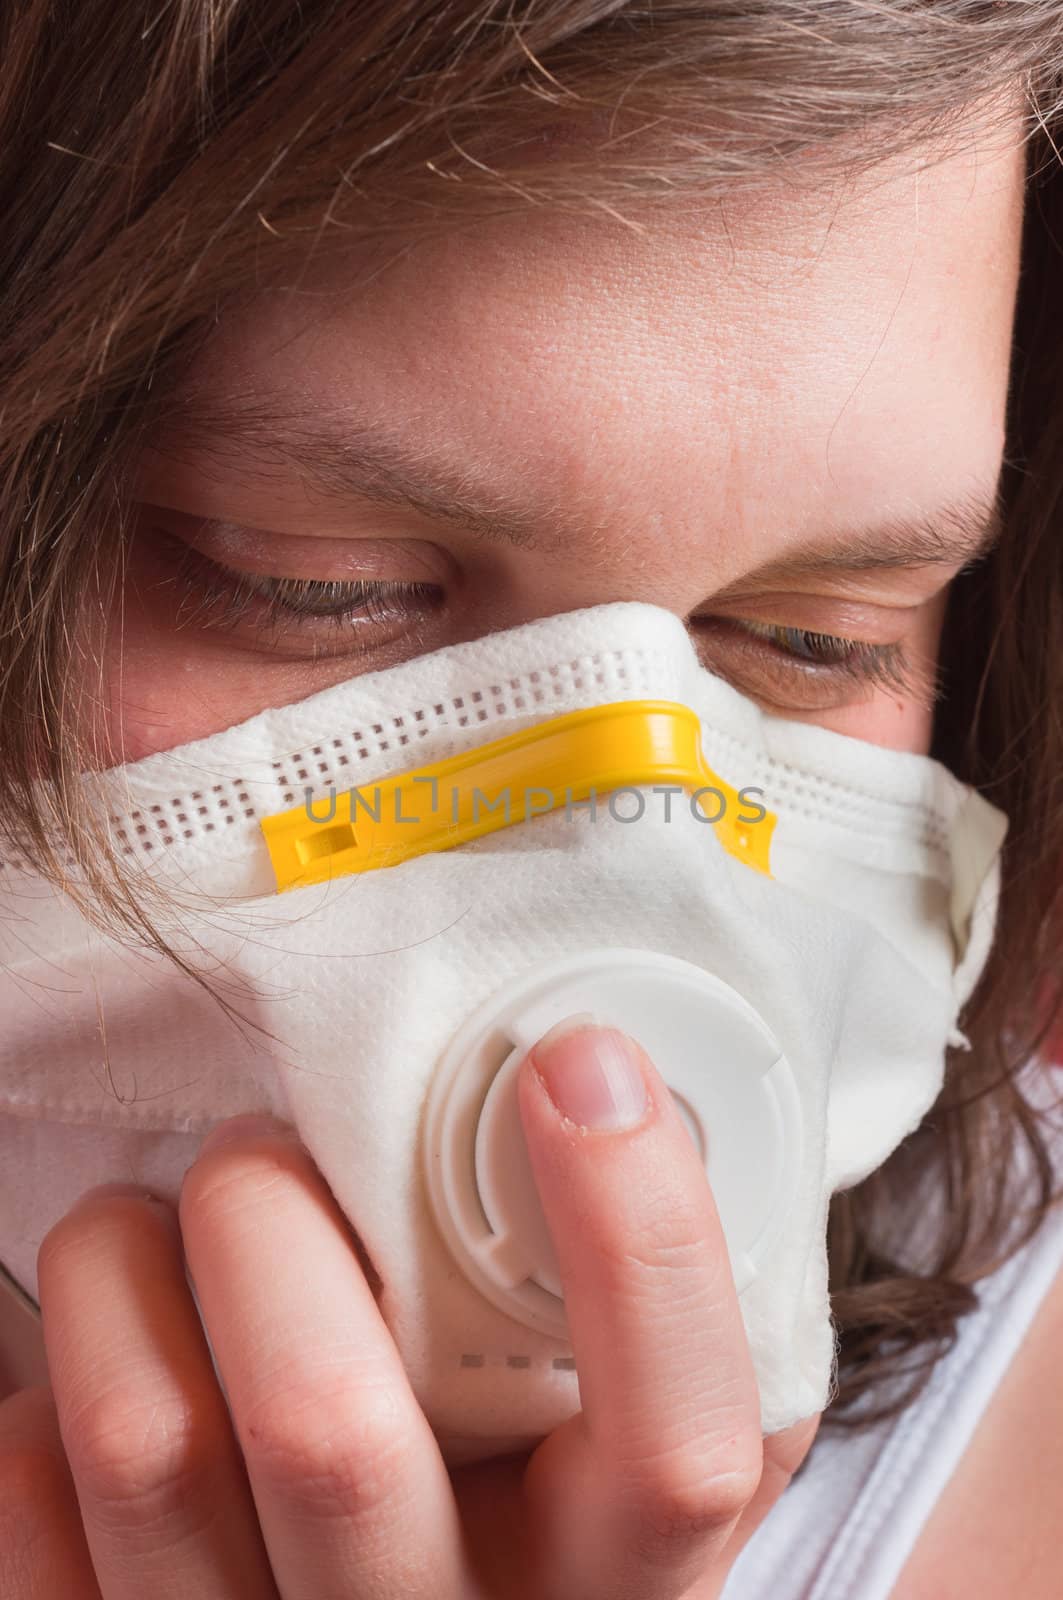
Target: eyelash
(883,666)
(215,596)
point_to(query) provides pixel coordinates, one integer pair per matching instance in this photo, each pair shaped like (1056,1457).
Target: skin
(677,407)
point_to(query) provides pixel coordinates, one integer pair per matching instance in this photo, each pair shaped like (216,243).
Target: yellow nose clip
(566,761)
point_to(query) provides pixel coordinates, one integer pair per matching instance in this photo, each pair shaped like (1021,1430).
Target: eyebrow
(349,460)
(957,534)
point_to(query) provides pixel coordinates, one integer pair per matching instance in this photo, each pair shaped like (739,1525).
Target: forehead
(804,355)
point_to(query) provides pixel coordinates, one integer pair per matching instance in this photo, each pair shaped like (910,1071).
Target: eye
(324,613)
(821,648)
(800,669)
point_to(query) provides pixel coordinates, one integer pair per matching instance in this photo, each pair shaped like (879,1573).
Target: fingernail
(592,1073)
(250,1126)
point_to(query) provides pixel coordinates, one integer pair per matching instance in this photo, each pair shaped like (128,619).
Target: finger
(352,1493)
(162,1490)
(42,1543)
(639,1494)
(783,1454)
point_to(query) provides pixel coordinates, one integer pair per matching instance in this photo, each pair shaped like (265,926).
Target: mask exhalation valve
(732,1084)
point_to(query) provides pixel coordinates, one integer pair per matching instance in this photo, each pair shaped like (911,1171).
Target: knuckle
(222,1185)
(674,1229)
(669,1242)
(63,1239)
(688,1498)
(330,1449)
(96,1227)
(228,1190)
(153,1451)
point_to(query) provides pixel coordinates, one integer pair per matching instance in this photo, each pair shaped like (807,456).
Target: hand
(321,1479)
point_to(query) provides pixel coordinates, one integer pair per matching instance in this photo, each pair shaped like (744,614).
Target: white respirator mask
(400,883)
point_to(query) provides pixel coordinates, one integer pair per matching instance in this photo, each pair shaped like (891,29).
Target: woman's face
(779,417)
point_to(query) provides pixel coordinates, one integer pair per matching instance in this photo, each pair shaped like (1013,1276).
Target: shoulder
(994,1529)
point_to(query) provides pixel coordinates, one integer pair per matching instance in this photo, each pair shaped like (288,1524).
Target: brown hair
(156,168)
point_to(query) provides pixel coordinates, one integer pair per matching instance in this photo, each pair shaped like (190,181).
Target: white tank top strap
(847,1524)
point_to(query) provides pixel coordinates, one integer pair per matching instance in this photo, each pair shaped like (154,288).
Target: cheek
(160,687)
(893,723)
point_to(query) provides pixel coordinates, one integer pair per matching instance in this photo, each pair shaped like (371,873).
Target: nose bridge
(649,571)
